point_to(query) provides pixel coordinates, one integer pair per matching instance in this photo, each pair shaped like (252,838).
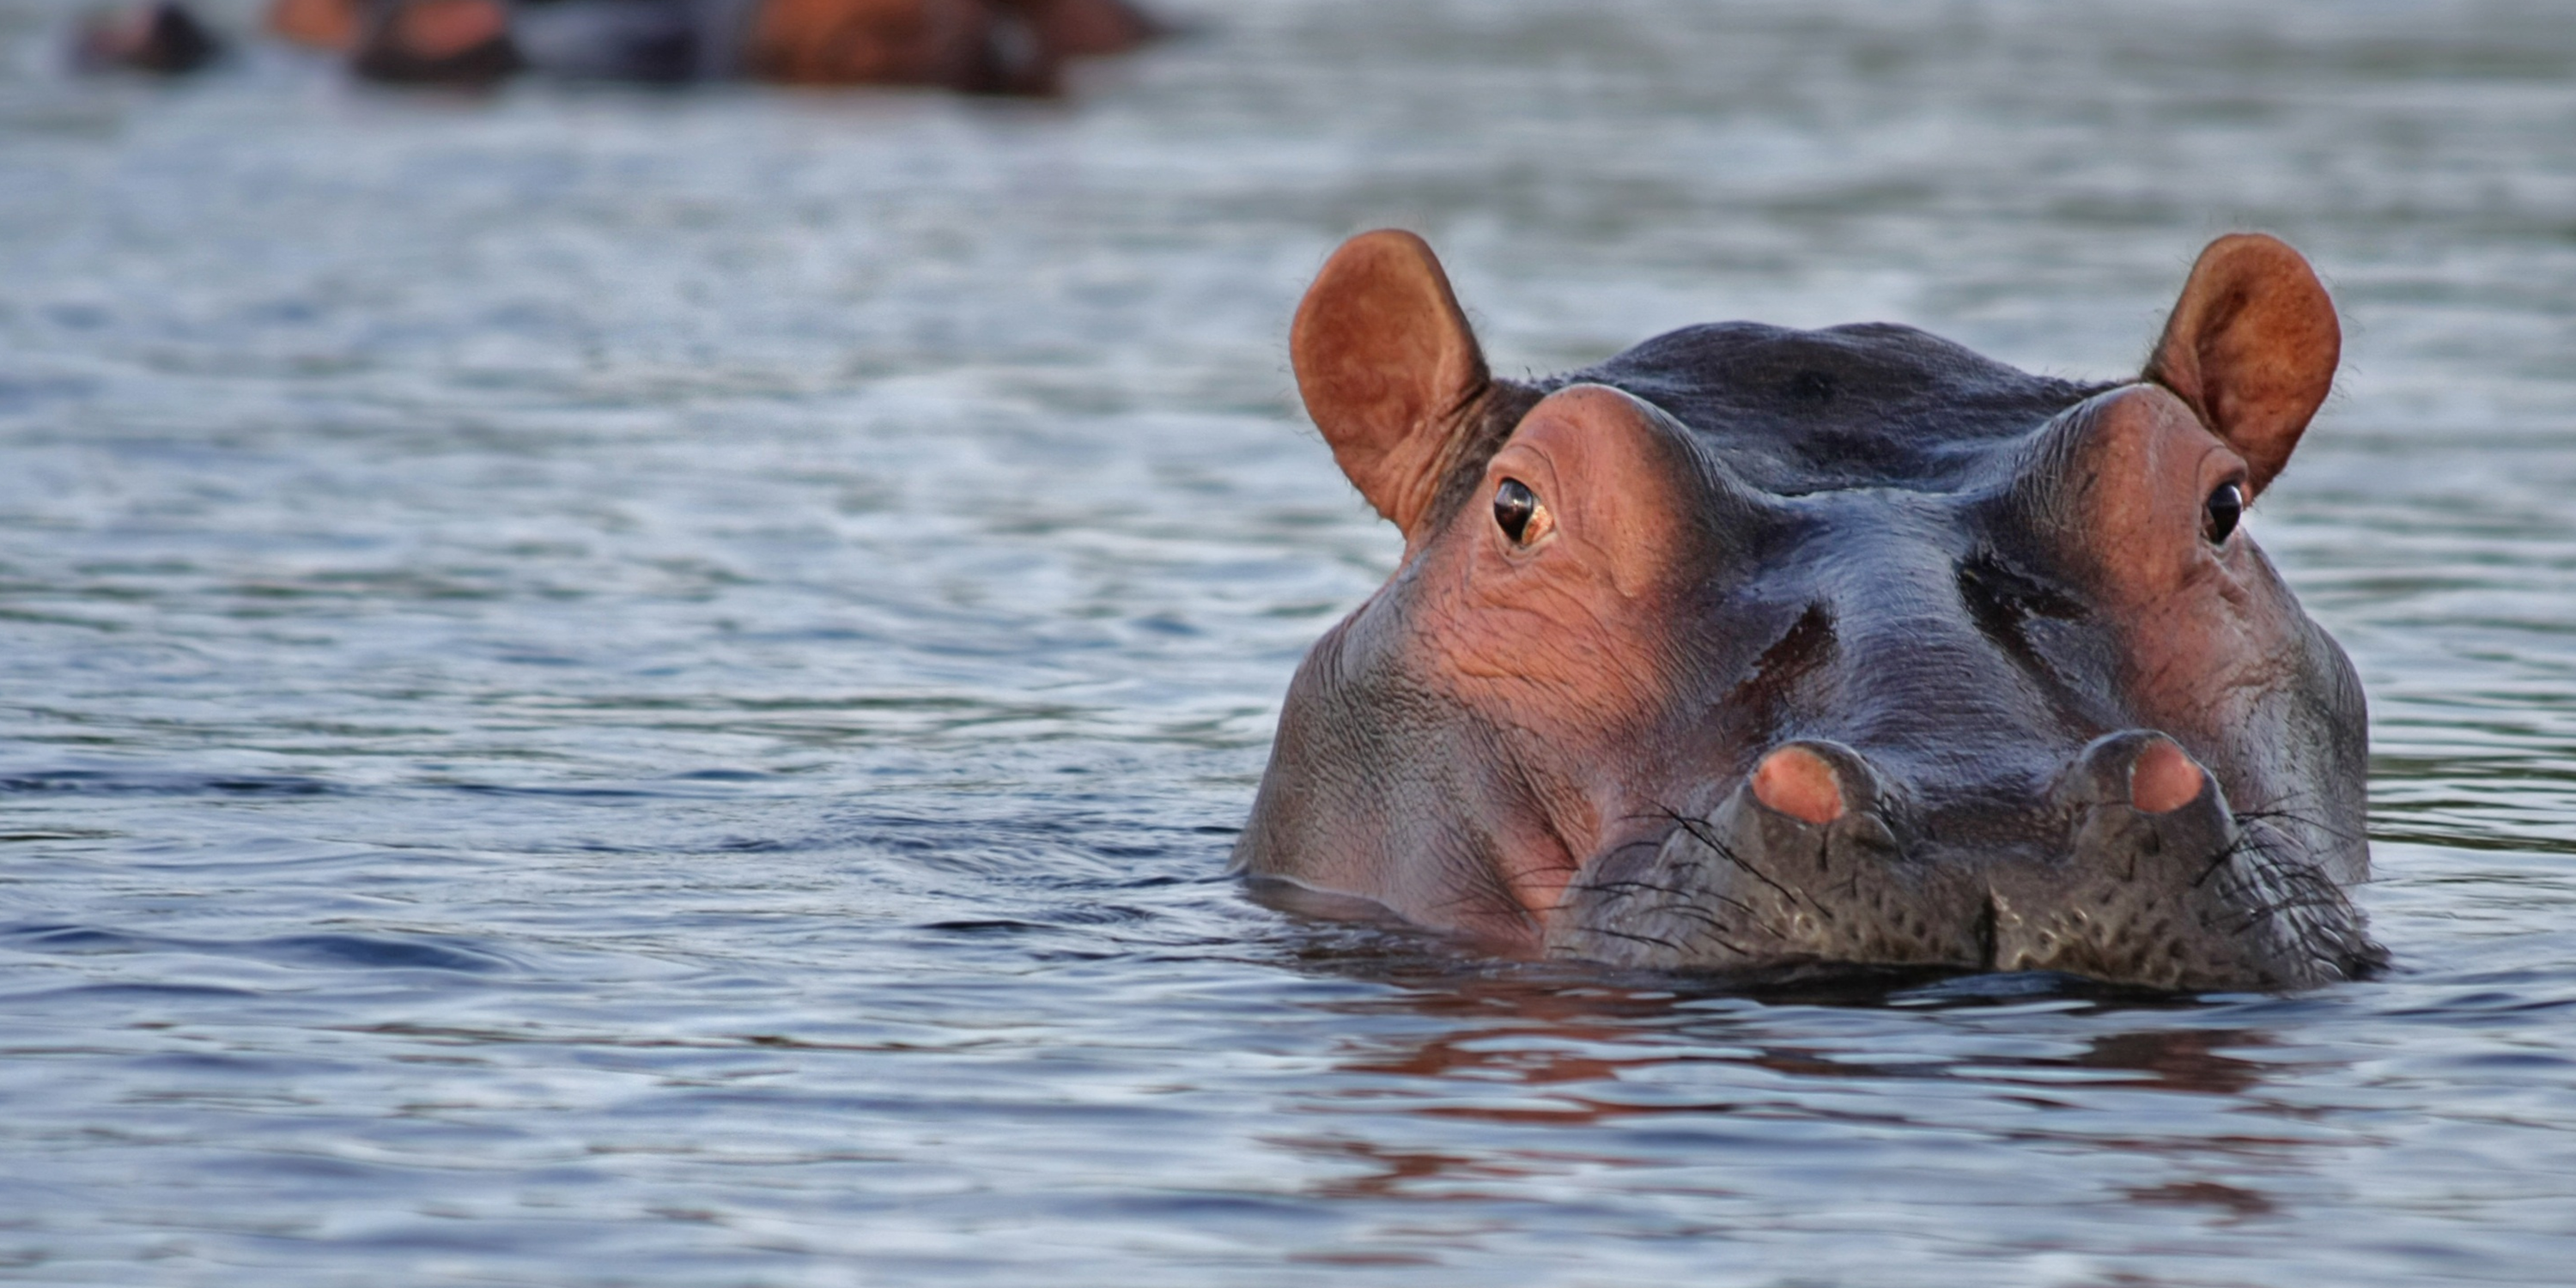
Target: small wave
(329,949)
(108,781)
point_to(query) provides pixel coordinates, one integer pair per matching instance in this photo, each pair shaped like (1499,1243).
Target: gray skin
(1890,553)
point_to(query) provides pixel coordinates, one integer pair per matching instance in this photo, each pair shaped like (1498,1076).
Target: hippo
(978,46)
(1768,653)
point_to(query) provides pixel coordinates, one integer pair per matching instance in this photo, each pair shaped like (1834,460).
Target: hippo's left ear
(1388,368)
(2252,347)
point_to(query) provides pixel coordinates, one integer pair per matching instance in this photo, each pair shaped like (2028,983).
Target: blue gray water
(635,688)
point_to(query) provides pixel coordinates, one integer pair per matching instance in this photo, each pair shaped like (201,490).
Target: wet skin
(1754,649)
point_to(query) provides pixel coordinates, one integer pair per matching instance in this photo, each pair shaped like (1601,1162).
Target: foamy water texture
(653,688)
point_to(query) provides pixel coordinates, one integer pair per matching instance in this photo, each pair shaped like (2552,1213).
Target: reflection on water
(627,688)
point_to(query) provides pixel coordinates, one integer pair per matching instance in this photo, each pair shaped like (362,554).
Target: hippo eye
(2218,518)
(1514,503)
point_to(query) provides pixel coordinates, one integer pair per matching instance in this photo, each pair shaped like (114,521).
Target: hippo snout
(2129,868)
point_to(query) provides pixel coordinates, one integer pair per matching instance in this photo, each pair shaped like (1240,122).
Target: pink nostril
(2163,778)
(1797,782)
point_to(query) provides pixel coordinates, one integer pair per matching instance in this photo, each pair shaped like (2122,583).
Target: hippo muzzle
(1755,650)
(2130,868)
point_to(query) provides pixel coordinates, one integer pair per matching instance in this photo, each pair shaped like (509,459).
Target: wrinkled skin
(1754,649)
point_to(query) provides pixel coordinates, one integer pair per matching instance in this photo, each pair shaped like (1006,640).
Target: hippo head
(1759,650)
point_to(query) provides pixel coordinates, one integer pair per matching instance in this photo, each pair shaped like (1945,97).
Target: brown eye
(2219,517)
(1514,503)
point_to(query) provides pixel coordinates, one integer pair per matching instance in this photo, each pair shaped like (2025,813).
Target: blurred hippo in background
(975,46)
(1765,651)
(163,39)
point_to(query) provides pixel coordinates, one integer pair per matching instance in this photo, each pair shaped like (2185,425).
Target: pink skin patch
(2163,779)
(1797,782)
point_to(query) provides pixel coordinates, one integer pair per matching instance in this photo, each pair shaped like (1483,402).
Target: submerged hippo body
(1755,649)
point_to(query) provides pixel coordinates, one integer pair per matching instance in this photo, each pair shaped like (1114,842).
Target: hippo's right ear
(1388,367)
(2252,346)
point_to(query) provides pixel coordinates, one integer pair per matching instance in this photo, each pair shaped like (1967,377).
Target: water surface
(637,688)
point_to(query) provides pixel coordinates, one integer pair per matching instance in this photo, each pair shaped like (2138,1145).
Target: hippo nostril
(2163,778)
(1799,783)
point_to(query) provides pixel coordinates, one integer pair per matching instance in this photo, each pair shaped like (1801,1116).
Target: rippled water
(605,688)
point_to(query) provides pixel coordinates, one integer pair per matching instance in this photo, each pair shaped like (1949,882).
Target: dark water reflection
(613,688)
